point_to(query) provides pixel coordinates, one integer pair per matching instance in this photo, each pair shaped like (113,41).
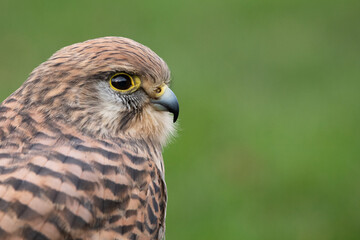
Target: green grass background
(268,144)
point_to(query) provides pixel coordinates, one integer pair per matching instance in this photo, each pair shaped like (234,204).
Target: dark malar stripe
(126,119)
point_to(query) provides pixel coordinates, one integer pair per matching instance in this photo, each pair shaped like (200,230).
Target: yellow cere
(160,90)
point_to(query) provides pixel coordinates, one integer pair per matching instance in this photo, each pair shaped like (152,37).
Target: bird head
(107,87)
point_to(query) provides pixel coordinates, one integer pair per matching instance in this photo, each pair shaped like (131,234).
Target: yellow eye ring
(124,83)
(159,91)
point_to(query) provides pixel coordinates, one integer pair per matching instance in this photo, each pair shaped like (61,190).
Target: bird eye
(123,82)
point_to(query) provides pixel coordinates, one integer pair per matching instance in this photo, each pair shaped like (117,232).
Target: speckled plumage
(79,160)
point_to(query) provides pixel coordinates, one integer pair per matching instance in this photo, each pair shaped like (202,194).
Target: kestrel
(81,143)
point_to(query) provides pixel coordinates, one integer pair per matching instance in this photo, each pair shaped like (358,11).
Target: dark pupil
(121,82)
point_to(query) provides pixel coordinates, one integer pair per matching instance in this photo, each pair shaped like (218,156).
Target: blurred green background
(269,142)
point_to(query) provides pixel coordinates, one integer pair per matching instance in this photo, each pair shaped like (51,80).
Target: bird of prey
(81,143)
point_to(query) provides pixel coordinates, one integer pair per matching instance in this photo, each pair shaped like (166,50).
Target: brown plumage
(80,152)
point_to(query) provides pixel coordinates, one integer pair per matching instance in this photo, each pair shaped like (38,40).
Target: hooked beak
(167,102)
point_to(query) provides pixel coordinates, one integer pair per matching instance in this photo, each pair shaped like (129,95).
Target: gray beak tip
(167,102)
(176,114)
